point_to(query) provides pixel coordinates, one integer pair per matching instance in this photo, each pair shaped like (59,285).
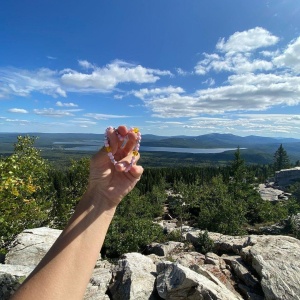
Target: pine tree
(281,159)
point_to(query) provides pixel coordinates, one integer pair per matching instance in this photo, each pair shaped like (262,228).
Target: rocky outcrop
(36,242)
(270,193)
(133,278)
(276,259)
(241,267)
(178,282)
(286,177)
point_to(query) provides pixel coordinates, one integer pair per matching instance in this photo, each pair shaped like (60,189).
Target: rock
(222,243)
(212,258)
(278,228)
(242,271)
(133,278)
(10,279)
(168,225)
(188,259)
(276,259)
(99,282)
(286,177)
(178,282)
(164,249)
(30,246)
(248,293)
(270,193)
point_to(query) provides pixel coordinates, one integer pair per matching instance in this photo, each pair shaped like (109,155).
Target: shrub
(25,194)
(204,243)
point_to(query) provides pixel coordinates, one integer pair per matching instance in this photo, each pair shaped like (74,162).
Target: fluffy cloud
(247,41)
(108,77)
(244,92)
(237,53)
(23,83)
(18,110)
(157,92)
(253,85)
(290,58)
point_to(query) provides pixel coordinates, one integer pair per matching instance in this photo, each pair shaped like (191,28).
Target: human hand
(112,182)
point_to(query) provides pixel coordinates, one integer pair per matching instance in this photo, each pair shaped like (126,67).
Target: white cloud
(82,122)
(17,121)
(247,41)
(108,77)
(290,58)
(65,104)
(182,72)
(22,82)
(85,64)
(104,116)
(209,82)
(18,110)
(157,92)
(50,112)
(244,92)
(237,54)
(238,63)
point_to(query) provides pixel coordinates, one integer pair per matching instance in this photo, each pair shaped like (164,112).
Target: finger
(131,143)
(126,163)
(136,171)
(112,139)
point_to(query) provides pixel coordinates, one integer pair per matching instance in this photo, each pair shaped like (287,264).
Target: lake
(95,148)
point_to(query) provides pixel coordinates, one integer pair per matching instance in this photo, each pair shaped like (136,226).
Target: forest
(35,192)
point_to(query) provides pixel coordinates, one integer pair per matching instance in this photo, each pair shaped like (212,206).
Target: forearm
(67,267)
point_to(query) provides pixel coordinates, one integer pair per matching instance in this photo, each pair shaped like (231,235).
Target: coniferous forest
(35,192)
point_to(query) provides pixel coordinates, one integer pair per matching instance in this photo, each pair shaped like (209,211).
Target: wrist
(96,198)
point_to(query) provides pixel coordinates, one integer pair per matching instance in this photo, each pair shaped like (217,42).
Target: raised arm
(66,269)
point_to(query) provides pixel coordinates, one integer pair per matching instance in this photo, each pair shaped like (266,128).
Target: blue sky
(169,67)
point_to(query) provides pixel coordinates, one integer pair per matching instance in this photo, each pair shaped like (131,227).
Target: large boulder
(165,249)
(134,278)
(276,259)
(178,282)
(30,246)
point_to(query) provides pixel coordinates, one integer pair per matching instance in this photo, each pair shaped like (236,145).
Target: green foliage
(130,235)
(204,243)
(281,159)
(174,235)
(219,211)
(24,190)
(132,227)
(68,187)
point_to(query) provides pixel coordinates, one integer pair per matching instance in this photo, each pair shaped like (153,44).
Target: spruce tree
(281,159)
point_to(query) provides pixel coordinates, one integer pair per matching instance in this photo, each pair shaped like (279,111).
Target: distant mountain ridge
(216,140)
(255,149)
